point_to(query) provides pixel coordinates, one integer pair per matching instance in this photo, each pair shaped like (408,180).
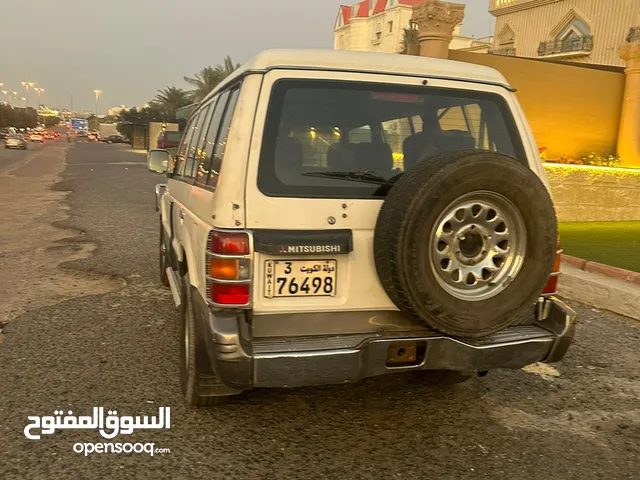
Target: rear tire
(192,354)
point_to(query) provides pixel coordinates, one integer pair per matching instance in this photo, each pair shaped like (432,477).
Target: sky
(129,49)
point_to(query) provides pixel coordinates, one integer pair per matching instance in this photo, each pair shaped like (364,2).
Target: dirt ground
(32,250)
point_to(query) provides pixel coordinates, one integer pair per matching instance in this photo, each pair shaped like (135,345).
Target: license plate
(298,278)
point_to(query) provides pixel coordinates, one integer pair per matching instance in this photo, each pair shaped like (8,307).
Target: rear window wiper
(359,176)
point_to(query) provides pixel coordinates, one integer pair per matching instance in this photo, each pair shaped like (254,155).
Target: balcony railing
(507,51)
(634,35)
(573,46)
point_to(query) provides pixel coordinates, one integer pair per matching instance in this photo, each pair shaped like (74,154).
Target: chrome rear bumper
(243,360)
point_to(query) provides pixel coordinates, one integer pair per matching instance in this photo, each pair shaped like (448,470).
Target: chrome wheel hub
(477,246)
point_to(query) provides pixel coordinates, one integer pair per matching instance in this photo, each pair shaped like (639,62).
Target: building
(115,111)
(582,31)
(378,26)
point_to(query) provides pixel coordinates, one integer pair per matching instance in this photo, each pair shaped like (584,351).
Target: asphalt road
(119,350)
(11,158)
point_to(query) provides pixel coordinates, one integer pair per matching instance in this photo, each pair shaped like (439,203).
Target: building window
(390,25)
(377,37)
(572,39)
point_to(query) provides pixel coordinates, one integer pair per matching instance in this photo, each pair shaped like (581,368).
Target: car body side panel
(224,207)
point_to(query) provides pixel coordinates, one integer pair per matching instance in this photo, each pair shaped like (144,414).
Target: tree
(409,37)
(171,99)
(51,121)
(209,77)
(153,112)
(94,122)
(17,117)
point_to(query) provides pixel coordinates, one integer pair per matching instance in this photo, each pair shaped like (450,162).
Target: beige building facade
(378,26)
(581,31)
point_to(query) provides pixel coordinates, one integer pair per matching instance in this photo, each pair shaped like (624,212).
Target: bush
(593,159)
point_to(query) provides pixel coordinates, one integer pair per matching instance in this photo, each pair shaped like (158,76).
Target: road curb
(600,291)
(602,269)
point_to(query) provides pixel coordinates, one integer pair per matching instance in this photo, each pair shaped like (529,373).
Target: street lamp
(26,86)
(39,90)
(97,92)
(25,102)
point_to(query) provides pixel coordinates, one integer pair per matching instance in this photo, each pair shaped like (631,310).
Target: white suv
(331,216)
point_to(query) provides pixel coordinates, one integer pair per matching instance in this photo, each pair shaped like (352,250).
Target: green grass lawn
(611,243)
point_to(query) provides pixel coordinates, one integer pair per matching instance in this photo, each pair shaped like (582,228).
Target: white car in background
(36,137)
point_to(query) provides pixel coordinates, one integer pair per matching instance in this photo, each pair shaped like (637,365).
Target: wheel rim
(477,246)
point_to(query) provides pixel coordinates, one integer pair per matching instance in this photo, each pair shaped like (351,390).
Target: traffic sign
(79,124)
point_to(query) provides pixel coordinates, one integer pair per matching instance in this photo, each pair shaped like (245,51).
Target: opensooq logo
(109,427)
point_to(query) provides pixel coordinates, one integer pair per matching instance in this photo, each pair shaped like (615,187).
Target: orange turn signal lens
(223,268)
(557,262)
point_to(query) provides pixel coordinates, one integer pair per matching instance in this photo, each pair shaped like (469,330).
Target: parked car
(15,141)
(36,137)
(114,139)
(391,218)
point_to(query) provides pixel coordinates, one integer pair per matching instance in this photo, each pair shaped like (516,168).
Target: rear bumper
(298,361)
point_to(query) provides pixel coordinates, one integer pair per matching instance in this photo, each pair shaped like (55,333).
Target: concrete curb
(600,291)
(594,267)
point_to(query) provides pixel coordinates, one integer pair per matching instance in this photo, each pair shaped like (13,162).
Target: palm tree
(209,77)
(171,99)
(409,37)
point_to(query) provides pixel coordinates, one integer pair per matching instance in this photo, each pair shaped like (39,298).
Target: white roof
(392,63)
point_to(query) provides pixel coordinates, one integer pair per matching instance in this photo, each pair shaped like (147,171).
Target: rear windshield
(316,127)
(173,136)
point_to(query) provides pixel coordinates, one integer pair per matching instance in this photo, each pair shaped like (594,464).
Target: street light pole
(39,91)
(26,86)
(97,92)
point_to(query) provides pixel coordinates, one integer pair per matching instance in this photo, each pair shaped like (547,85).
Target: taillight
(229,294)
(552,284)
(229,268)
(229,243)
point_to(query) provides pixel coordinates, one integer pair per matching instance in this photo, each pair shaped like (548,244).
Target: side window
(210,139)
(195,150)
(223,135)
(216,140)
(181,157)
(360,135)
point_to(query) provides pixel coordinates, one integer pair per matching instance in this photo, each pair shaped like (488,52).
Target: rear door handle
(182,214)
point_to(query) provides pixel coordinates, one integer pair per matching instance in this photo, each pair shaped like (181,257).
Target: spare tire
(466,241)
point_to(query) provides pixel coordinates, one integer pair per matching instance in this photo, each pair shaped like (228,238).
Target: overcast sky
(131,48)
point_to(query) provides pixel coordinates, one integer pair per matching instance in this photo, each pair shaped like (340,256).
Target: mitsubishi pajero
(331,216)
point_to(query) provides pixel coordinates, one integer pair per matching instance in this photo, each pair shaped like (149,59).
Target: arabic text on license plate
(300,278)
